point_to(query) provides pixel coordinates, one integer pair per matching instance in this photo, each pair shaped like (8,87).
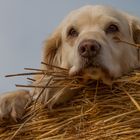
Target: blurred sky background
(24,24)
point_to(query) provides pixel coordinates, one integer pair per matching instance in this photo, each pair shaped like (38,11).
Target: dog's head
(84,42)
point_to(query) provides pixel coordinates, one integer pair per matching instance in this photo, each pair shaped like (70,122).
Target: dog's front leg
(12,104)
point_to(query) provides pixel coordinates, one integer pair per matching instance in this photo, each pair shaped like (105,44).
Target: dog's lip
(81,71)
(92,66)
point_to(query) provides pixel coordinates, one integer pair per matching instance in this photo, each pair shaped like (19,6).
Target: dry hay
(98,112)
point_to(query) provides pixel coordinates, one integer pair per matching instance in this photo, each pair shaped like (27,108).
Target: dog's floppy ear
(135,26)
(51,50)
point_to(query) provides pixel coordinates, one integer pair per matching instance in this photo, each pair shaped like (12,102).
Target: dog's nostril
(92,48)
(83,49)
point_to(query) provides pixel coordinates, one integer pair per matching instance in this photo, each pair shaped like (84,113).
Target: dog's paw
(12,105)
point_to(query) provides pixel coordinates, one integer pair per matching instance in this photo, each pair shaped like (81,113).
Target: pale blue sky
(24,24)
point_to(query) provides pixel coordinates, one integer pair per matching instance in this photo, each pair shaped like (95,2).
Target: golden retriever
(83,43)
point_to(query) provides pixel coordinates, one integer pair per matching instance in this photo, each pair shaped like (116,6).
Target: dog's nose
(89,48)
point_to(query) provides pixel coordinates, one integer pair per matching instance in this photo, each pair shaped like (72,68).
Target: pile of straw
(98,112)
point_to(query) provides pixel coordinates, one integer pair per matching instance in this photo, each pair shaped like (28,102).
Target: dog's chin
(92,73)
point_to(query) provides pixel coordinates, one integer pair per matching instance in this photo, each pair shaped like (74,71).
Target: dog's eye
(112,28)
(72,32)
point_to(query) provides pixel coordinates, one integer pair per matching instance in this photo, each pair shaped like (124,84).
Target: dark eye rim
(112,28)
(72,32)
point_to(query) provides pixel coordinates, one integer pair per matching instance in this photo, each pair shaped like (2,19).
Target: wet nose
(89,48)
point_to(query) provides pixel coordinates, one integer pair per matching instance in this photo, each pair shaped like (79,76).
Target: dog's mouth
(90,71)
